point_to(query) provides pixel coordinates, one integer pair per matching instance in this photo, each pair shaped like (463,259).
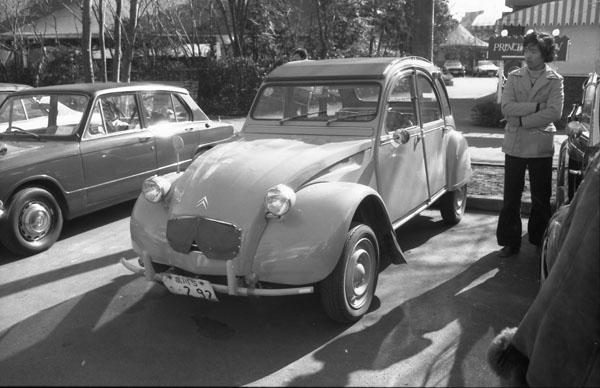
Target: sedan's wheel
(347,292)
(452,205)
(34,222)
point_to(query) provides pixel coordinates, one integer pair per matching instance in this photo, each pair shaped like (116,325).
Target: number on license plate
(184,285)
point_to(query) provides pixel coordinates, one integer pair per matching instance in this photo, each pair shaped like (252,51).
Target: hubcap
(359,274)
(35,221)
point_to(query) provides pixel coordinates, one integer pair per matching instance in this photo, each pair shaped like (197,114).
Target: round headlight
(279,200)
(155,188)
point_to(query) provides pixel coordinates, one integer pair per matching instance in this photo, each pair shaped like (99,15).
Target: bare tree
(99,13)
(86,41)
(234,14)
(116,62)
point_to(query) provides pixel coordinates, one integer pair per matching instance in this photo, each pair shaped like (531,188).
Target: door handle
(144,139)
(189,129)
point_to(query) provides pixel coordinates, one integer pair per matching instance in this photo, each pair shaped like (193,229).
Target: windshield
(42,114)
(318,102)
(484,63)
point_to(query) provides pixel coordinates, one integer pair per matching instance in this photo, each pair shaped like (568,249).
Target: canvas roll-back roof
(346,68)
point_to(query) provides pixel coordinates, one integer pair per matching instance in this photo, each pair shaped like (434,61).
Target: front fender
(304,246)
(458,161)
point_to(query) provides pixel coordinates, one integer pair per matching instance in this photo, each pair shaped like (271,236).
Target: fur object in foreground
(507,361)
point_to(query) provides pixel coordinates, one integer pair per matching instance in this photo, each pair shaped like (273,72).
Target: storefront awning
(556,13)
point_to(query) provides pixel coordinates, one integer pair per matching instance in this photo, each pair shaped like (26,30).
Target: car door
(401,174)
(433,124)
(117,152)
(169,115)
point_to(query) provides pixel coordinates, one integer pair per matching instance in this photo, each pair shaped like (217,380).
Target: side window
(96,127)
(159,108)
(443,97)
(18,110)
(119,112)
(182,114)
(400,111)
(431,109)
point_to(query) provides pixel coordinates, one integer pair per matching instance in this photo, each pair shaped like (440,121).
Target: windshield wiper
(350,117)
(299,116)
(20,130)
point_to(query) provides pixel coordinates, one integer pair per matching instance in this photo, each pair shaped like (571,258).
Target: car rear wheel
(347,292)
(34,222)
(453,204)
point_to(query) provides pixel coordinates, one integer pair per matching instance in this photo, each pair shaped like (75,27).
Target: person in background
(300,54)
(532,100)
(301,94)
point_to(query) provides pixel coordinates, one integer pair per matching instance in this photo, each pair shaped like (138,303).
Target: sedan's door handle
(189,129)
(144,139)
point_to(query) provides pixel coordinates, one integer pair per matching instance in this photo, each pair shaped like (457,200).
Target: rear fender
(304,246)
(458,161)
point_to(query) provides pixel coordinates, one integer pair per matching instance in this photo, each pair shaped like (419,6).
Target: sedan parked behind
(454,67)
(333,157)
(485,68)
(69,150)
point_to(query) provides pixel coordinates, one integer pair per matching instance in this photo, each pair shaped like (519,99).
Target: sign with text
(503,47)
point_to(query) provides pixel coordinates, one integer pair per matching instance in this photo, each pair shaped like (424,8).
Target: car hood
(239,173)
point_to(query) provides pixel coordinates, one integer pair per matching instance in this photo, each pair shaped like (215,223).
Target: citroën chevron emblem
(203,202)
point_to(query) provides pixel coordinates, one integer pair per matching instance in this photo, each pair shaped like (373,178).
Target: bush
(228,86)
(487,114)
(62,66)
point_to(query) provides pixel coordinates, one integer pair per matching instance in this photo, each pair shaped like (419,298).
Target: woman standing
(532,100)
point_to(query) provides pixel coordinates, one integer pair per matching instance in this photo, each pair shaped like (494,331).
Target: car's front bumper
(232,287)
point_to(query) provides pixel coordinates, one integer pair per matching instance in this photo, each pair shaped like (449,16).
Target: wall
(584,50)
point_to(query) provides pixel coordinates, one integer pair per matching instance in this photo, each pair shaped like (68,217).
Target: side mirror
(178,145)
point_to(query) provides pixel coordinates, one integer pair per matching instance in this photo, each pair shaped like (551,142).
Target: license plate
(184,285)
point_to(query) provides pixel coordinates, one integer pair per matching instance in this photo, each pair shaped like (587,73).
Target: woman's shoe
(508,251)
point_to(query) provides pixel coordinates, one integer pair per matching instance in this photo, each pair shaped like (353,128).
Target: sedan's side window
(430,105)
(120,112)
(182,114)
(401,112)
(95,126)
(160,107)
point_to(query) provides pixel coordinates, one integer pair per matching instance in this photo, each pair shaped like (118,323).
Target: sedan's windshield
(326,103)
(42,114)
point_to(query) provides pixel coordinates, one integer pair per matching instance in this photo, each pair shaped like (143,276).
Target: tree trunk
(100,18)
(116,70)
(130,47)
(86,41)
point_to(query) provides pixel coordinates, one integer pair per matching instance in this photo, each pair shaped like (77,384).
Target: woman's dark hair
(301,52)
(544,41)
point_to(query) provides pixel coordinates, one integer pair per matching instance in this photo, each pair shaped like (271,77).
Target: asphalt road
(74,316)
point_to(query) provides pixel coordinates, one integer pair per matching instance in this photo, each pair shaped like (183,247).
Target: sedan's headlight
(279,200)
(155,188)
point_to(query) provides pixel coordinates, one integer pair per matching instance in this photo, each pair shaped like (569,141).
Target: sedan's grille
(215,239)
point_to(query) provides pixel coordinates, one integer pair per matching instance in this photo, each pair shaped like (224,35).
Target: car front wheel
(453,204)
(347,292)
(34,222)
